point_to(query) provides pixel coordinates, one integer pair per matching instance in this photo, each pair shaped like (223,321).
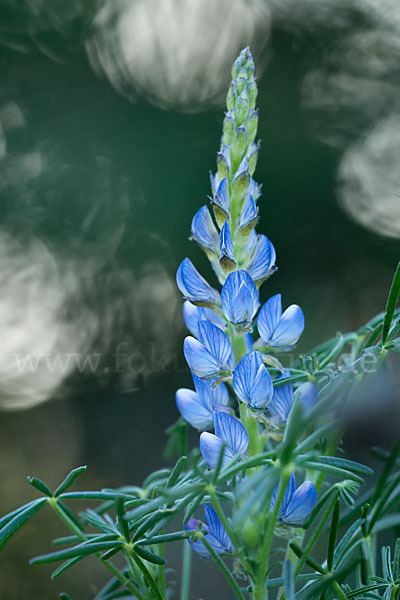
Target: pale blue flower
(280,331)
(194,287)
(262,264)
(216,536)
(198,407)
(230,433)
(252,382)
(204,231)
(249,214)
(296,504)
(226,248)
(239,298)
(193,314)
(283,398)
(211,355)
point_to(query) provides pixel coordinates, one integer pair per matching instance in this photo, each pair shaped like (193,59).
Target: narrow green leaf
(343,463)
(20,519)
(10,516)
(95,495)
(308,560)
(156,476)
(276,582)
(149,556)
(192,507)
(176,471)
(83,549)
(39,485)
(122,522)
(325,468)
(69,480)
(109,553)
(391,305)
(65,566)
(345,541)
(333,535)
(294,425)
(396,559)
(166,537)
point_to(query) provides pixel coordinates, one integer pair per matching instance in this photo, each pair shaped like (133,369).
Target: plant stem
(186,571)
(260,591)
(224,569)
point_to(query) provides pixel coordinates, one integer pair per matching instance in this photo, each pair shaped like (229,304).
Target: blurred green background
(107,133)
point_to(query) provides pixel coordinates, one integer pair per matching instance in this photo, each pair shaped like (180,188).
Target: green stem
(186,571)
(146,574)
(224,569)
(260,591)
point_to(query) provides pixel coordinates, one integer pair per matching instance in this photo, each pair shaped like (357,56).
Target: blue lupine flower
(217,536)
(210,356)
(280,331)
(296,504)
(198,407)
(239,299)
(230,433)
(204,231)
(242,178)
(283,398)
(254,189)
(249,215)
(194,287)
(221,198)
(252,382)
(193,314)
(262,264)
(226,248)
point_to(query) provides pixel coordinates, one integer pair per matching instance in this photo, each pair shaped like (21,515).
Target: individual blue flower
(211,355)
(230,434)
(204,231)
(198,407)
(283,398)
(262,263)
(296,504)
(280,331)
(216,536)
(193,314)
(249,214)
(221,198)
(239,299)
(194,287)
(226,249)
(252,382)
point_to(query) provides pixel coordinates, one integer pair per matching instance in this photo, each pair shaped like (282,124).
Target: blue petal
(222,196)
(301,504)
(217,530)
(226,249)
(230,430)
(269,317)
(214,181)
(239,298)
(217,344)
(204,230)
(263,261)
(290,327)
(212,398)
(249,213)
(308,396)
(199,359)
(193,286)
(192,410)
(198,546)
(210,448)
(290,489)
(252,382)
(282,399)
(193,314)
(248,339)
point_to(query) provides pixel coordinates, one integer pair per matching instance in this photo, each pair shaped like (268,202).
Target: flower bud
(251,125)
(230,97)
(241,108)
(252,93)
(228,128)
(252,155)
(238,146)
